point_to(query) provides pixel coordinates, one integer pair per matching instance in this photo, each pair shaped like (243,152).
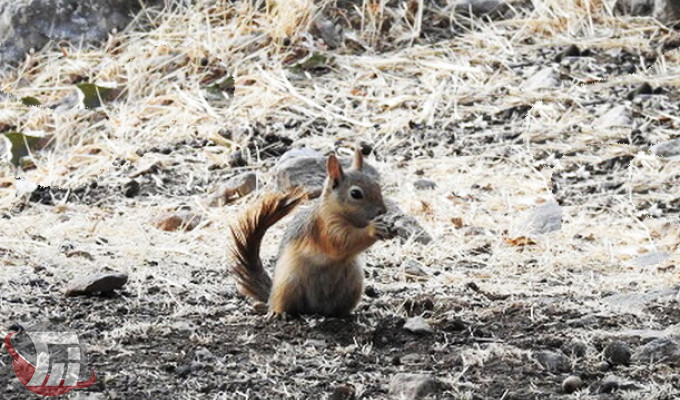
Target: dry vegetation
(435,94)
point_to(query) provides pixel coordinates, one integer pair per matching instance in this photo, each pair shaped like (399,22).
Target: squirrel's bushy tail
(251,278)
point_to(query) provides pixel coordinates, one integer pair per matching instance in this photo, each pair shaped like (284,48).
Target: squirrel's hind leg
(288,294)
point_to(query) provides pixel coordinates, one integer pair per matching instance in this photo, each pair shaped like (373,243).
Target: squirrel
(317,271)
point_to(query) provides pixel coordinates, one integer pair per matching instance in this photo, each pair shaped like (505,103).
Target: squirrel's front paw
(381,229)
(278,316)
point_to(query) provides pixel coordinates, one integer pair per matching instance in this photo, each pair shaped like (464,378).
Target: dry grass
(374,95)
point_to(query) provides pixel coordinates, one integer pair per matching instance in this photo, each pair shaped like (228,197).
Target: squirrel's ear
(358,161)
(334,170)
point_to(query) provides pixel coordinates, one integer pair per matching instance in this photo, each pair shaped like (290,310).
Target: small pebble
(603,366)
(617,353)
(571,51)
(343,392)
(572,384)
(577,348)
(552,361)
(424,184)
(609,384)
(412,386)
(413,270)
(668,149)
(370,292)
(234,188)
(236,160)
(185,221)
(418,325)
(543,79)
(644,89)
(618,116)
(412,358)
(131,188)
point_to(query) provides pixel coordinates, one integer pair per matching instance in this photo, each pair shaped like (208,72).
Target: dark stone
(343,392)
(236,159)
(572,384)
(370,291)
(571,51)
(131,188)
(609,384)
(617,353)
(666,11)
(96,283)
(576,348)
(644,89)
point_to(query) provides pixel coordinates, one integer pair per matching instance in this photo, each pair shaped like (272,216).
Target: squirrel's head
(352,194)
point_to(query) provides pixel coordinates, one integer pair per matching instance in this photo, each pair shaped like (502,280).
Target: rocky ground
(535,145)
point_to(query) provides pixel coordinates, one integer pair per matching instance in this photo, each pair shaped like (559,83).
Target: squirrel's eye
(356,193)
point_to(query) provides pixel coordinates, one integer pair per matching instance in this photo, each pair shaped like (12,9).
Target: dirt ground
(435,95)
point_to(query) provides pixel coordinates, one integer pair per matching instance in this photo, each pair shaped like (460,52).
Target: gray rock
(544,219)
(603,366)
(571,384)
(652,258)
(634,7)
(412,358)
(668,149)
(587,320)
(31,24)
(479,7)
(617,353)
(418,325)
(299,152)
(307,168)
(96,283)
(552,361)
(666,11)
(328,31)
(618,116)
(412,386)
(237,186)
(424,184)
(638,301)
(661,350)
(543,79)
(609,384)
(405,226)
(413,269)
(576,348)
